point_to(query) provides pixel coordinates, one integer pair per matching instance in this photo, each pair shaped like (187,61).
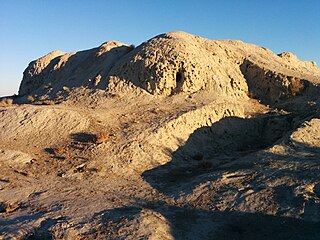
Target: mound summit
(181,137)
(168,64)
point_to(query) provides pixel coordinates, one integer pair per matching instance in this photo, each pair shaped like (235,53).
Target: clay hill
(179,138)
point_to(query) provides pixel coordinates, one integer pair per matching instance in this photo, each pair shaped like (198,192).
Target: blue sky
(31,28)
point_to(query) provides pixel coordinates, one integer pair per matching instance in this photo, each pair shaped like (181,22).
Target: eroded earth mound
(179,138)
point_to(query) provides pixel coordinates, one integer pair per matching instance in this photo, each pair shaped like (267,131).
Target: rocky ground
(179,138)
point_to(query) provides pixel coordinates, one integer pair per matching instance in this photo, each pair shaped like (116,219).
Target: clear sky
(31,28)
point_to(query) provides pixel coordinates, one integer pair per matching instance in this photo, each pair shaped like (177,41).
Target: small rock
(80,167)
(6,180)
(61,174)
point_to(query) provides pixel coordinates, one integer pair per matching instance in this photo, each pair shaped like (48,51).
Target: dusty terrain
(179,138)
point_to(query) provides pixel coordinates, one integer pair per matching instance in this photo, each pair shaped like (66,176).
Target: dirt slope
(179,138)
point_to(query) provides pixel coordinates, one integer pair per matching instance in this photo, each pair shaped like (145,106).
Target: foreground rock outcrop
(180,137)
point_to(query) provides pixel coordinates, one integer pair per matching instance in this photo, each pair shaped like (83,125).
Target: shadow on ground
(186,223)
(209,149)
(83,137)
(41,232)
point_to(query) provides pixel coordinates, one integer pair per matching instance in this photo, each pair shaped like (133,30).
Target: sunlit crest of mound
(179,62)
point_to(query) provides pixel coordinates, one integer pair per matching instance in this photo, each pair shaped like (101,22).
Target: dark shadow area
(187,223)
(54,154)
(41,222)
(49,150)
(180,78)
(41,232)
(24,218)
(209,149)
(5,224)
(83,137)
